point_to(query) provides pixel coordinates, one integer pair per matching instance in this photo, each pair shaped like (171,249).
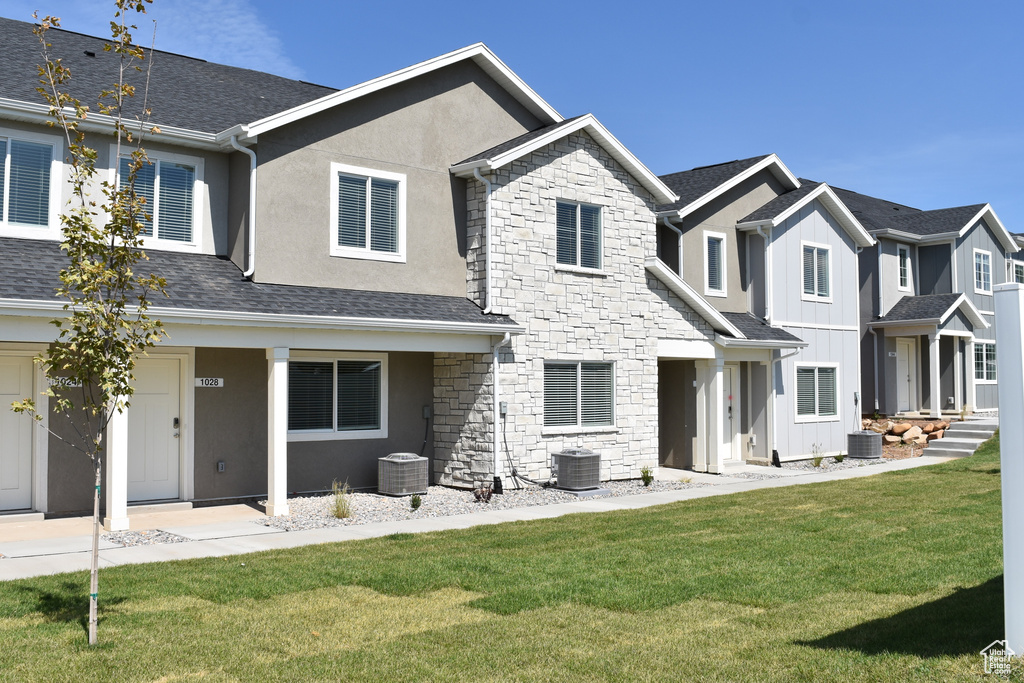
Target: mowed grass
(894,577)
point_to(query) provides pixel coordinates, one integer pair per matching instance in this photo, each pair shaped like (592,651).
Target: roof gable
(931,309)
(698,186)
(778,210)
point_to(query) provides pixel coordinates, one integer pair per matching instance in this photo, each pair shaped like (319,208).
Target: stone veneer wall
(616,316)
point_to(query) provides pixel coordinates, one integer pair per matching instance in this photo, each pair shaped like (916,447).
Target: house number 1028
(209,381)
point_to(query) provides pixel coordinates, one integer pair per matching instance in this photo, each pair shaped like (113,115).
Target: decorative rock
(890,440)
(920,439)
(878,428)
(937,434)
(944,424)
(911,434)
(865,423)
(928,428)
(901,428)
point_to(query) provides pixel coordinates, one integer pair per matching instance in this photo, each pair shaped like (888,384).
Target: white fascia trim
(728,342)
(1002,234)
(662,194)
(835,206)
(670,279)
(772,161)
(970,310)
(478,52)
(210,317)
(32,112)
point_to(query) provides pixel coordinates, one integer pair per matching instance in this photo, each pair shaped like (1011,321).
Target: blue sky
(917,102)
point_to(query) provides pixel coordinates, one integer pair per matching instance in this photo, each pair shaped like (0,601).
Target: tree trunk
(94,570)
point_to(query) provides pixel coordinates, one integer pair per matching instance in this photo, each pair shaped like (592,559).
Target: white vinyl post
(277,432)
(933,376)
(116,482)
(1009,300)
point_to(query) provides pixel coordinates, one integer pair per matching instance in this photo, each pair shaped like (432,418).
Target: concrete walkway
(35,548)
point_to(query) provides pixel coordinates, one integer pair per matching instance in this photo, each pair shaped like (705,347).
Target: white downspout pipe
(874,334)
(487,235)
(767,278)
(251,265)
(879,279)
(679,234)
(497,403)
(775,431)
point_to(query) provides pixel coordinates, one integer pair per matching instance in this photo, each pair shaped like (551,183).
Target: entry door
(730,393)
(906,375)
(154,450)
(15,435)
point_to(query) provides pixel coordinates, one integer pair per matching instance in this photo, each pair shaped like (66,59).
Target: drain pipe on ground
(251,266)
(496,444)
(487,237)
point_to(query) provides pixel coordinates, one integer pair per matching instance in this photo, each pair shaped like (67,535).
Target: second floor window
(982,272)
(168,188)
(714,258)
(368,213)
(25,182)
(1017,272)
(903,255)
(817,280)
(578,235)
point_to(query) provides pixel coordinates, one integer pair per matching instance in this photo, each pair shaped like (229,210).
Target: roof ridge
(724,163)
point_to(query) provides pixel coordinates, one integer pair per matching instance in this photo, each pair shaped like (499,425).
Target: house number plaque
(210,382)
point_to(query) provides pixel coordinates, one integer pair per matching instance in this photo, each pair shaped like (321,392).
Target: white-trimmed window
(29,184)
(984,362)
(171,185)
(579,394)
(817,392)
(337,396)
(982,272)
(903,259)
(1014,270)
(817,275)
(367,213)
(714,264)
(578,235)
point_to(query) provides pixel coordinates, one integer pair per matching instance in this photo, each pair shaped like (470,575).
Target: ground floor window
(984,362)
(578,394)
(337,397)
(816,392)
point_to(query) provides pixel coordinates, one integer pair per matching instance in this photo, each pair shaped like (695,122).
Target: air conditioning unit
(576,469)
(402,474)
(864,444)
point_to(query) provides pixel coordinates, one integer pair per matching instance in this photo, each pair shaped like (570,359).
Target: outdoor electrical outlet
(503,408)
(221,466)
(753,440)
(426,412)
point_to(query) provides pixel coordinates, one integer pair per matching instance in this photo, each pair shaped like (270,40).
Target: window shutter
(351,212)
(383,215)
(176,186)
(358,395)
(826,391)
(566,233)
(715,263)
(145,188)
(29,190)
(3,176)
(822,255)
(805,389)
(310,386)
(560,394)
(590,236)
(597,393)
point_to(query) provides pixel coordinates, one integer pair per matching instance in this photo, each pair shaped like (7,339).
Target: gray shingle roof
(756,329)
(780,203)
(697,182)
(936,222)
(872,212)
(183,92)
(925,307)
(29,268)
(509,145)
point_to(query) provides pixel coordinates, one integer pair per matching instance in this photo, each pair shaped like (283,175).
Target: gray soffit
(781,203)
(200,282)
(755,329)
(693,184)
(516,142)
(183,92)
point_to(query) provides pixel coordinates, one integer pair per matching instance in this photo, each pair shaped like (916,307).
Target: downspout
(874,334)
(487,248)
(879,278)
(679,234)
(767,279)
(252,206)
(775,431)
(497,410)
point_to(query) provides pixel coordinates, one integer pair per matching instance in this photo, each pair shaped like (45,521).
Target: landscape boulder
(910,435)
(937,434)
(902,428)
(890,440)
(928,428)
(878,428)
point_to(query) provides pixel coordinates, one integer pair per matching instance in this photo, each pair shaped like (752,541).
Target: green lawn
(894,577)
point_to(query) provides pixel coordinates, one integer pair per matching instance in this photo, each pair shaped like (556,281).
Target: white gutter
(251,267)
(487,230)
(767,279)
(679,234)
(496,407)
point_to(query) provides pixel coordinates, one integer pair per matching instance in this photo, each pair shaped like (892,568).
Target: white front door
(906,375)
(154,450)
(15,435)
(731,414)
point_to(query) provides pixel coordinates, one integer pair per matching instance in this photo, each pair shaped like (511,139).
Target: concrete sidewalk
(35,548)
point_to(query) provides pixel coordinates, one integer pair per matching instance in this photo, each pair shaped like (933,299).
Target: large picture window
(982,272)
(816,272)
(984,362)
(578,394)
(578,234)
(342,397)
(367,213)
(25,182)
(816,393)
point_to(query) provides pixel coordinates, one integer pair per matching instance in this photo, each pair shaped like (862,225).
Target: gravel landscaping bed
(827,465)
(314,512)
(129,539)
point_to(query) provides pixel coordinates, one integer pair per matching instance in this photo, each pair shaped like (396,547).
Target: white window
(29,185)
(817,392)
(367,213)
(903,256)
(578,235)
(1014,271)
(339,397)
(817,274)
(984,362)
(714,259)
(578,394)
(171,185)
(982,272)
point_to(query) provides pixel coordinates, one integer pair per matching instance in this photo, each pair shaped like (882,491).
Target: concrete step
(942,451)
(959,441)
(970,433)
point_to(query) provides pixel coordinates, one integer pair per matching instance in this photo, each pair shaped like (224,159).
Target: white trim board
(832,204)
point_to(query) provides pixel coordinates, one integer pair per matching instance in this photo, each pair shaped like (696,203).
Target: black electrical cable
(426,435)
(508,457)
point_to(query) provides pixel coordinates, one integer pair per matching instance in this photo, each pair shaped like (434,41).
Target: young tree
(105,327)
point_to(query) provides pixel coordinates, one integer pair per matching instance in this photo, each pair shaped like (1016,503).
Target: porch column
(958,375)
(277,432)
(700,453)
(970,398)
(116,482)
(933,375)
(713,404)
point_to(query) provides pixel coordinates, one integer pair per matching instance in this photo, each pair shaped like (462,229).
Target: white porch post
(971,395)
(116,482)
(933,375)
(958,375)
(277,432)
(700,453)
(715,409)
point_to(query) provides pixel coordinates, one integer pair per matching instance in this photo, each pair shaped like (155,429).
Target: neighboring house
(777,257)
(927,311)
(434,261)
